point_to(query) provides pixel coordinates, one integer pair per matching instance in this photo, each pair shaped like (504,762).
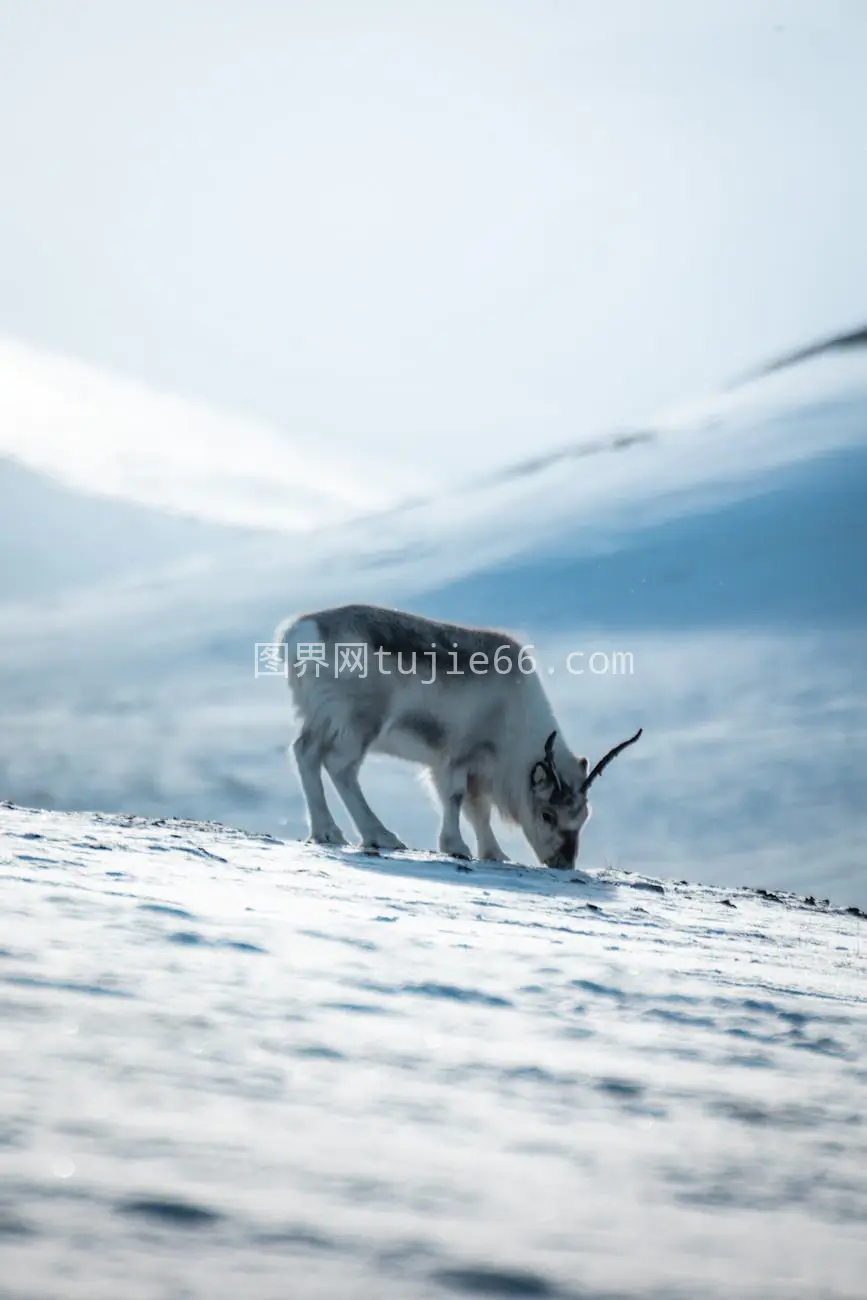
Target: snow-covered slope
(58,540)
(722,548)
(106,480)
(237,1067)
(114,437)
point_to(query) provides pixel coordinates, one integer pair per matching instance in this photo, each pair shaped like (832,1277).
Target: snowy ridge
(244,1065)
(715,546)
(117,438)
(586,499)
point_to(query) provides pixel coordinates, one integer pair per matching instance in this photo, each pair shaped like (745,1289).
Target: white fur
(481,736)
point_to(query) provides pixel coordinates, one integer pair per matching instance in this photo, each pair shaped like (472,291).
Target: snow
(118,438)
(717,546)
(250,1067)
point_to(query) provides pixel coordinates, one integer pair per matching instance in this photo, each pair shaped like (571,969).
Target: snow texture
(243,1067)
(724,547)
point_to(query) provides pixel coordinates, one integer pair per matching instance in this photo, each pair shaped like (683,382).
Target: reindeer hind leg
(342,761)
(308,751)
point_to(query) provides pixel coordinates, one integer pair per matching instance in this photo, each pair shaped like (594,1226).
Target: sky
(444,233)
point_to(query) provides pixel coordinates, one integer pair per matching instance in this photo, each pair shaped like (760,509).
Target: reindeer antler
(603,762)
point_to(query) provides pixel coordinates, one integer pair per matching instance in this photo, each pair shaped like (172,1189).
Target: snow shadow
(511,877)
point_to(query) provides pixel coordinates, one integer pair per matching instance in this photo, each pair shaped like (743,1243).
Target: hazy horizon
(476,229)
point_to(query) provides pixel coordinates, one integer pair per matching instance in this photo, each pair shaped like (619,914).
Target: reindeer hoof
(459,851)
(333,836)
(385,843)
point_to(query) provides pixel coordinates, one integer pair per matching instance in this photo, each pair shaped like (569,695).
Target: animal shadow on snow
(477,874)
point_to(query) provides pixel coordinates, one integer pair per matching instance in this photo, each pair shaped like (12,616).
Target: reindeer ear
(582,767)
(541,781)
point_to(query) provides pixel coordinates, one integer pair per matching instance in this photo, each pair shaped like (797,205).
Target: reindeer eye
(549,817)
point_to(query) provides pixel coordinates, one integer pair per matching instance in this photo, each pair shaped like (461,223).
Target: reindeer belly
(414,735)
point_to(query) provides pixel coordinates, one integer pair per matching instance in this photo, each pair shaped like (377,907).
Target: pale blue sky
(485,226)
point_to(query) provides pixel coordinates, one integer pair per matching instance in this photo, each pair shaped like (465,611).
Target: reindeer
(465,703)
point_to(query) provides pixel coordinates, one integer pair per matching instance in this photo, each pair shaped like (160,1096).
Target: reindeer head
(558,802)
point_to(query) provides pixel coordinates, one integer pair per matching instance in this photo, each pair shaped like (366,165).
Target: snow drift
(249,1068)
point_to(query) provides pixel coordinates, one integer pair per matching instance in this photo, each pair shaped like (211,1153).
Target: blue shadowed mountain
(720,551)
(790,556)
(59,539)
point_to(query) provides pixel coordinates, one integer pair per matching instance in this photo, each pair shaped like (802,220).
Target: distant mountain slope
(56,538)
(852,339)
(110,436)
(724,547)
(784,556)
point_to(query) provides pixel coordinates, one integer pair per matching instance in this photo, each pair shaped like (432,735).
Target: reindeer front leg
(451,786)
(478,810)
